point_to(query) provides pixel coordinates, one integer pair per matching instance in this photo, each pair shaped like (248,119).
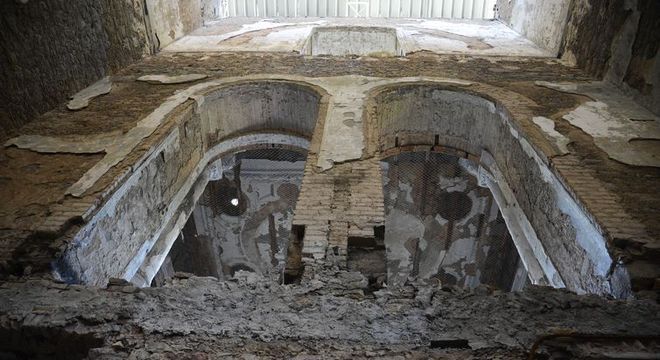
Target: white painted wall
(449,9)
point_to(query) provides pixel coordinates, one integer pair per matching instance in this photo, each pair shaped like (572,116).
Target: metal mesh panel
(441,224)
(244,218)
(224,196)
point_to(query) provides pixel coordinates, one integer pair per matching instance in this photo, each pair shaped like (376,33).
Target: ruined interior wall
(52,49)
(250,240)
(154,202)
(412,114)
(541,21)
(618,41)
(104,249)
(172,19)
(440,224)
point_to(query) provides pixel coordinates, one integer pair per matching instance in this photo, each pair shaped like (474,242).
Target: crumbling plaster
(626,131)
(412,115)
(181,152)
(343,141)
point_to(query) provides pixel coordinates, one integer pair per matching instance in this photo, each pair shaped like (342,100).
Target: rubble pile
(330,313)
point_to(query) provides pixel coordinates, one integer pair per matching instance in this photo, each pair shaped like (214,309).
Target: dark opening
(294,264)
(45,343)
(367,255)
(243,219)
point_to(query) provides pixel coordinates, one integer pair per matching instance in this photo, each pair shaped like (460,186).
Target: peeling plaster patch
(613,134)
(90,144)
(403,226)
(548,127)
(82,98)
(571,88)
(344,140)
(166,79)
(612,121)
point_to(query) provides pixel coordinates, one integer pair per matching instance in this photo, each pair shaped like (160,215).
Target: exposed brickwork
(344,201)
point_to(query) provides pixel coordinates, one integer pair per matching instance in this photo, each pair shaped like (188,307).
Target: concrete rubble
(330,313)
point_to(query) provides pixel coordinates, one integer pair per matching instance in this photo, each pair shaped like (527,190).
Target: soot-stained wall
(52,49)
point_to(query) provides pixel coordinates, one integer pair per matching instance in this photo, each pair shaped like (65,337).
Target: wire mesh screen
(441,224)
(244,217)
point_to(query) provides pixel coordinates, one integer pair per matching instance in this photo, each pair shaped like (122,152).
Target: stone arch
(557,238)
(201,123)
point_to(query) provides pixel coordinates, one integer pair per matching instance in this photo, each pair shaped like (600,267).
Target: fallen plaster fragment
(166,79)
(612,121)
(548,127)
(82,98)
(91,144)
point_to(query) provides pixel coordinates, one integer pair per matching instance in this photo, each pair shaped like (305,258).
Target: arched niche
(555,236)
(136,225)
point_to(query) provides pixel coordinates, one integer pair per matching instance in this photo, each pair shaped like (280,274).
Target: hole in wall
(367,255)
(243,221)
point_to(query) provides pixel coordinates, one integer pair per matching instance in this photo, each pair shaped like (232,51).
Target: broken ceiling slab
(548,126)
(626,131)
(87,144)
(166,79)
(82,98)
